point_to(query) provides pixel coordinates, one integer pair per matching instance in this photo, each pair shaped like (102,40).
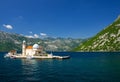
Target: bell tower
(24,48)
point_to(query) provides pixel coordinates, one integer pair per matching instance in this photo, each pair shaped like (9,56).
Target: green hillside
(106,40)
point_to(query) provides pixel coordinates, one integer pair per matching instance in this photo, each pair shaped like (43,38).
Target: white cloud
(36,36)
(43,34)
(29,36)
(8,26)
(32,36)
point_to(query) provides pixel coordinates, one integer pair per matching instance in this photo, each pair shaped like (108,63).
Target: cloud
(36,36)
(29,36)
(32,35)
(8,26)
(43,34)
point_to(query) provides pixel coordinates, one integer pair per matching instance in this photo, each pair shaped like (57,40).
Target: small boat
(64,57)
(61,57)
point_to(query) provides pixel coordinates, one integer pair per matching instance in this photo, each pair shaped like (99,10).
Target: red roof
(29,47)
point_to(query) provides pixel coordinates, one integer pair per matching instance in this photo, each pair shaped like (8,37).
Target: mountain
(10,41)
(106,40)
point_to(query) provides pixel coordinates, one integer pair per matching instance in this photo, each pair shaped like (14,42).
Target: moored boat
(61,57)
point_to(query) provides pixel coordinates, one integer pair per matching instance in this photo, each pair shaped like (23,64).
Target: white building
(34,50)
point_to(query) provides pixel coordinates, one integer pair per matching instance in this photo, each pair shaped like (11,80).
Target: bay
(81,67)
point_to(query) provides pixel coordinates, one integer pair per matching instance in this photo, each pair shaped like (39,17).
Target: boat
(64,57)
(61,57)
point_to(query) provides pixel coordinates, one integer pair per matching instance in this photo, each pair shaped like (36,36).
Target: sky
(57,18)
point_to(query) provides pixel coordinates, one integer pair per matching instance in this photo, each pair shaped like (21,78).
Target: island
(33,52)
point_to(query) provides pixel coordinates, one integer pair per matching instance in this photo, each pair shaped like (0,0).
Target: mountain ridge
(10,41)
(106,40)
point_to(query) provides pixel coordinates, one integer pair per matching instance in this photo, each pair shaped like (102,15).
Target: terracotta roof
(29,47)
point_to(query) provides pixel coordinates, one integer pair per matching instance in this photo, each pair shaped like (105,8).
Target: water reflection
(34,69)
(29,69)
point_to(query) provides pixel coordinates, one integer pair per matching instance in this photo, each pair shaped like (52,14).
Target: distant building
(34,50)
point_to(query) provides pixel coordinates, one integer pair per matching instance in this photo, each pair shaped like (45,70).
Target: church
(34,50)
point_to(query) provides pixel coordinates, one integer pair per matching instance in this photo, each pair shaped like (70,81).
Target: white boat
(64,57)
(61,57)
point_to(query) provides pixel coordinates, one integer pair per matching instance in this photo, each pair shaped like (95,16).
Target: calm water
(81,67)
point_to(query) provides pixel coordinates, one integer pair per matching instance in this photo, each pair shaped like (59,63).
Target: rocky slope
(106,40)
(10,41)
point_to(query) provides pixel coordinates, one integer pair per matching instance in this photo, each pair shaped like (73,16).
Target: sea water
(81,67)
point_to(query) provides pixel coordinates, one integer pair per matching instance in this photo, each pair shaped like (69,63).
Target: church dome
(35,46)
